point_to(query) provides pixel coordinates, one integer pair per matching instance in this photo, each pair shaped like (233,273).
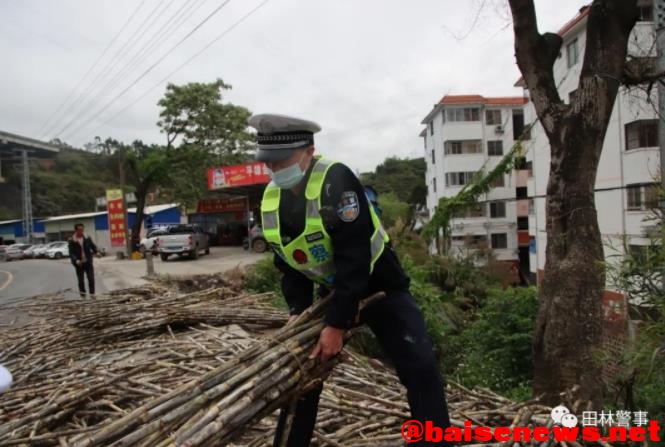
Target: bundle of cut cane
(213,306)
(211,409)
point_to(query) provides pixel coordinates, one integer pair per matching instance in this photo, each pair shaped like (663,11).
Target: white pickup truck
(182,240)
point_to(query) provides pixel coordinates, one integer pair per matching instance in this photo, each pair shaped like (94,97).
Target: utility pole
(28,229)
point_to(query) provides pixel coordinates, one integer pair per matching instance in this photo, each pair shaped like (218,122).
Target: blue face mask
(289,177)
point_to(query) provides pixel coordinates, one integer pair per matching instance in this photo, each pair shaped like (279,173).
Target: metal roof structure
(10,143)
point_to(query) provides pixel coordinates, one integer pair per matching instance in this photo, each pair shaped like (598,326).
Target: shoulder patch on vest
(348,207)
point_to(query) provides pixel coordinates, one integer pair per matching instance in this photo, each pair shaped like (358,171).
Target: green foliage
(497,343)
(468,196)
(409,243)
(462,278)
(647,356)
(71,185)
(263,276)
(403,177)
(393,209)
(195,113)
(201,132)
(639,274)
(441,311)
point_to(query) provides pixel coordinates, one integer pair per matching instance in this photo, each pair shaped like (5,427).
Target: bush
(497,344)
(263,276)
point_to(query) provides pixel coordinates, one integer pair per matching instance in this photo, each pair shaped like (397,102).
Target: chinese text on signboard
(238,175)
(116,213)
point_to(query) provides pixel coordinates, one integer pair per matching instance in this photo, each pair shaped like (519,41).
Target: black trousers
(87,269)
(400,329)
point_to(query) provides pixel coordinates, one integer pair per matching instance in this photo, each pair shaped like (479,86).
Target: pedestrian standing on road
(324,231)
(81,252)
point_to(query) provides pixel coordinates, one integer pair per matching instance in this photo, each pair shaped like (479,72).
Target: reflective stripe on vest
(311,253)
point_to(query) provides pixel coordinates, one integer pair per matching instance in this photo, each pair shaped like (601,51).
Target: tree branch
(536,55)
(641,70)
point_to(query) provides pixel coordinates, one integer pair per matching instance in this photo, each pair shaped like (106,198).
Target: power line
(544,196)
(102,73)
(92,67)
(104,89)
(164,79)
(155,42)
(145,73)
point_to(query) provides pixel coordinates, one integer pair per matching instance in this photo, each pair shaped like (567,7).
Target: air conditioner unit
(498,129)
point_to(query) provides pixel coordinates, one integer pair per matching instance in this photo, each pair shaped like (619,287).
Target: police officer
(318,220)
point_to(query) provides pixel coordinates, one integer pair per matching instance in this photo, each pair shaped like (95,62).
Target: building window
(433,184)
(634,197)
(642,197)
(642,133)
(433,158)
(532,207)
(495,148)
(572,52)
(498,182)
(462,147)
(471,240)
(499,240)
(522,223)
(477,210)
(520,131)
(497,209)
(431,127)
(465,114)
(529,167)
(521,193)
(493,117)
(459,178)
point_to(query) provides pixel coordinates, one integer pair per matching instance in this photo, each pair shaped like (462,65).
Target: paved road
(29,277)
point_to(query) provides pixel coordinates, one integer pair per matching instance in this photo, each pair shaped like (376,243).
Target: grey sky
(367,70)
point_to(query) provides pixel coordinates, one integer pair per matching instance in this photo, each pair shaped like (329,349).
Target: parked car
(58,250)
(3,252)
(30,252)
(183,240)
(40,252)
(150,241)
(257,241)
(15,251)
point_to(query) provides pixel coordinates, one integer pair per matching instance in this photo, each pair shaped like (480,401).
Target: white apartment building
(464,134)
(629,163)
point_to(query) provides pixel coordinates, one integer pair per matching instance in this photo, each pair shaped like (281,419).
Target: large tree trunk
(569,326)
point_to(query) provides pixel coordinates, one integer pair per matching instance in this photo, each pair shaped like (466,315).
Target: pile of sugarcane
(180,373)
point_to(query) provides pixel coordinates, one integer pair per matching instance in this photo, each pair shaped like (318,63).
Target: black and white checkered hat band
(282,138)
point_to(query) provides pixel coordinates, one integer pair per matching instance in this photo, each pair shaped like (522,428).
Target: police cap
(279,135)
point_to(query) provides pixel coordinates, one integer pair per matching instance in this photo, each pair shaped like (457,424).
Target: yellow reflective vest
(311,253)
